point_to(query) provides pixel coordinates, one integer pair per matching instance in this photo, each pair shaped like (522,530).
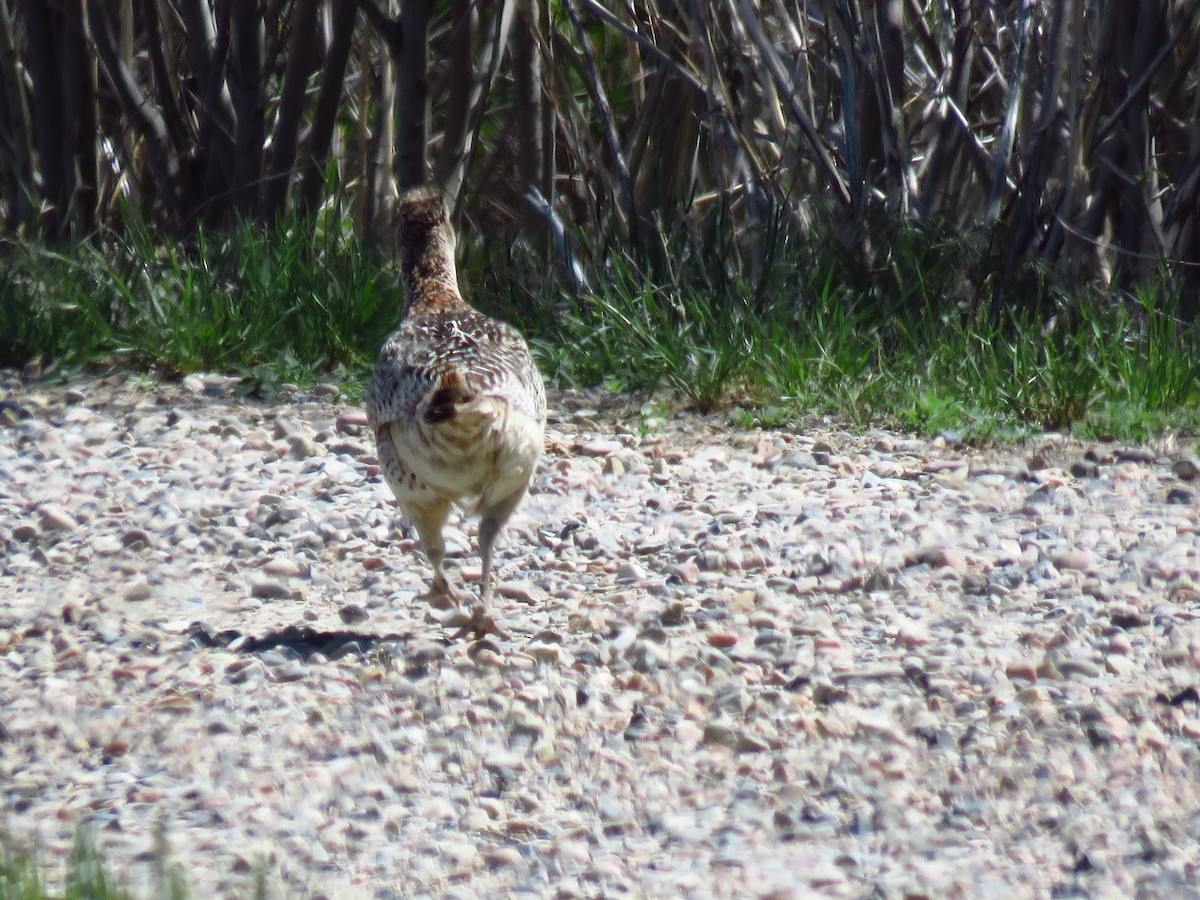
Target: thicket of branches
(1065,132)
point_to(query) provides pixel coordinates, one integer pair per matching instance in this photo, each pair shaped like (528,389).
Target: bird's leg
(429,519)
(489,528)
(492,520)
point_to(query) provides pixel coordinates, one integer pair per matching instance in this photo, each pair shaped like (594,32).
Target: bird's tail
(449,398)
(463,432)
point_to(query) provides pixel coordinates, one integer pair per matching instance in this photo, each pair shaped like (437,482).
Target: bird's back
(455,395)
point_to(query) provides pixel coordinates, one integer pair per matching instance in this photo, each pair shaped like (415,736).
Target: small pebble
(270,589)
(720,734)
(52,517)
(1024,669)
(137,589)
(24,533)
(282,567)
(913,634)
(613,466)
(521,591)
(1076,560)
(353,613)
(502,856)
(600,448)
(1186,468)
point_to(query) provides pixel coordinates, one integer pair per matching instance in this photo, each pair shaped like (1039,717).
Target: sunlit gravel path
(739,664)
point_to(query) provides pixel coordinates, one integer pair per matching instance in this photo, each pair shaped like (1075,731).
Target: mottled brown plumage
(456,402)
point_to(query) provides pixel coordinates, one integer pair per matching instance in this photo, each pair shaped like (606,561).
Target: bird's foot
(444,596)
(476,622)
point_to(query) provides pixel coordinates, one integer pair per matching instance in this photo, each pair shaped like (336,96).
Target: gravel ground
(752,664)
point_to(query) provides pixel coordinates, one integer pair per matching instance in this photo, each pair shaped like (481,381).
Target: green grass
(85,875)
(291,303)
(774,324)
(909,341)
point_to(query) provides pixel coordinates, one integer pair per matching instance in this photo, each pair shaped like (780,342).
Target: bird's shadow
(301,641)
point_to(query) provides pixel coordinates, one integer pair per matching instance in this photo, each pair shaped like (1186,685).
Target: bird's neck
(431,300)
(430,279)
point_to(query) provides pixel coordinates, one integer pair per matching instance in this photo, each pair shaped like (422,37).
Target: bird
(456,403)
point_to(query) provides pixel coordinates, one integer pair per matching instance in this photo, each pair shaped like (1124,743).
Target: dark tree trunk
(948,143)
(16,150)
(166,90)
(215,146)
(460,88)
(207,38)
(247,89)
(527,79)
(144,118)
(291,107)
(325,118)
(412,90)
(381,148)
(1146,34)
(43,32)
(1181,225)
(79,113)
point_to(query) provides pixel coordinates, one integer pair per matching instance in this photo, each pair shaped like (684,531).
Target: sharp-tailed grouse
(456,402)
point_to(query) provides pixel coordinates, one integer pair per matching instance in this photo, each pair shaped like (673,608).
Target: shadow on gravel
(301,641)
